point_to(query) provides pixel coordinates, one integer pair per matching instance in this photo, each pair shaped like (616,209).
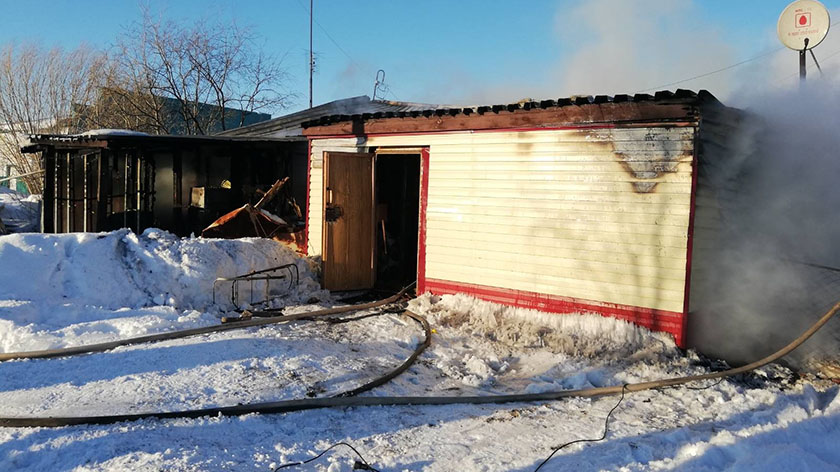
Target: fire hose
(100,347)
(285,406)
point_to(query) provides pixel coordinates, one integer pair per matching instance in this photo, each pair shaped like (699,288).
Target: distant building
(7,176)
(172,117)
(8,166)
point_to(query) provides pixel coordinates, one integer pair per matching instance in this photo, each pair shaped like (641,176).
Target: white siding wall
(590,214)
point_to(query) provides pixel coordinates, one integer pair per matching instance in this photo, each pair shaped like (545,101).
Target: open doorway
(397,215)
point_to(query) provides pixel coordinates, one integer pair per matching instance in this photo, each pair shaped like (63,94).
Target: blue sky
(473,51)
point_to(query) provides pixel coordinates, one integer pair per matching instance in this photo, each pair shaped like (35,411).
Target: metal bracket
(286,272)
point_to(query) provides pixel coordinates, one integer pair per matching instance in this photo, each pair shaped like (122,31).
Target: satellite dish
(803,24)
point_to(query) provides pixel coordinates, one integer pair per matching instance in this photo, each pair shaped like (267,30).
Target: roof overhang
(680,107)
(38,142)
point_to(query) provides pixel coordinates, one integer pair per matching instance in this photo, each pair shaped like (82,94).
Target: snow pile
(59,290)
(82,288)
(19,214)
(588,335)
(121,269)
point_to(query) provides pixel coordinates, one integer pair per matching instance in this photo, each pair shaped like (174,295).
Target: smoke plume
(775,266)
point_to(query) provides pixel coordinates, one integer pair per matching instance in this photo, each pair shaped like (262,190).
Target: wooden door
(348,221)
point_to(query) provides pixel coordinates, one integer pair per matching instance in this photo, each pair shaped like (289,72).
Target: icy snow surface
(64,290)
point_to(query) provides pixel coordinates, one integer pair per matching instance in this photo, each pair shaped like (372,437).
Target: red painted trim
(308,191)
(690,241)
(656,320)
(495,130)
(676,124)
(421,235)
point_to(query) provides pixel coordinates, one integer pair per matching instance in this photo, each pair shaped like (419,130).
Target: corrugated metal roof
(290,125)
(665,96)
(94,139)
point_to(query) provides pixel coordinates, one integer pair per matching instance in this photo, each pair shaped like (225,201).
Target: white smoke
(625,47)
(609,47)
(777,262)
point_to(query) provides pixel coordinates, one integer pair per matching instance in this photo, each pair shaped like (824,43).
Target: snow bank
(588,335)
(121,269)
(19,214)
(49,285)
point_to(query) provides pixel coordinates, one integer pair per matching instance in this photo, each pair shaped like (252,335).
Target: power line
(660,87)
(825,59)
(390,91)
(329,36)
(722,69)
(333,40)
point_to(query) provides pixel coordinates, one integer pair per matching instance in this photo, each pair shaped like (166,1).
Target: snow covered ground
(65,290)
(19,213)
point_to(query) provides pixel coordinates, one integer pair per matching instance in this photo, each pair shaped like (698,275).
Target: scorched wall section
(576,217)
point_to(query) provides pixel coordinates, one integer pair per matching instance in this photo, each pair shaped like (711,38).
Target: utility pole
(311,59)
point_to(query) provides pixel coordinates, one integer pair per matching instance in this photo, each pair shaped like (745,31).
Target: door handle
(332,213)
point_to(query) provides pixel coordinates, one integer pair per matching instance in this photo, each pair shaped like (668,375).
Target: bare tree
(38,91)
(162,78)
(175,79)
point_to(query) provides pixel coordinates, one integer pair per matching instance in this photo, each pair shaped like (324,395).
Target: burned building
(583,204)
(630,206)
(108,179)
(101,181)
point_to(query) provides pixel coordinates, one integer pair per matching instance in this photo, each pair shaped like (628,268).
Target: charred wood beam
(48,208)
(574,115)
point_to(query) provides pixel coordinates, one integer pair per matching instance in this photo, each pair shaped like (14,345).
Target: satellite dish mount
(802,26)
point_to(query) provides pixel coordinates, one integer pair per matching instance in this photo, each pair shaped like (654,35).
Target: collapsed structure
(110,179)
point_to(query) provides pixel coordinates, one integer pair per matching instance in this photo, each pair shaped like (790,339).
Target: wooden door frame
(423,153)
(421,226)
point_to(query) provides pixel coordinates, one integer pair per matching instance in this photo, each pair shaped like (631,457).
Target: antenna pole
(311,60)
(801,66)
(802,57)
(378,82)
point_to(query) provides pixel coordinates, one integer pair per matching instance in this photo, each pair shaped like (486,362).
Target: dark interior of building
(397,217)
(180,184)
